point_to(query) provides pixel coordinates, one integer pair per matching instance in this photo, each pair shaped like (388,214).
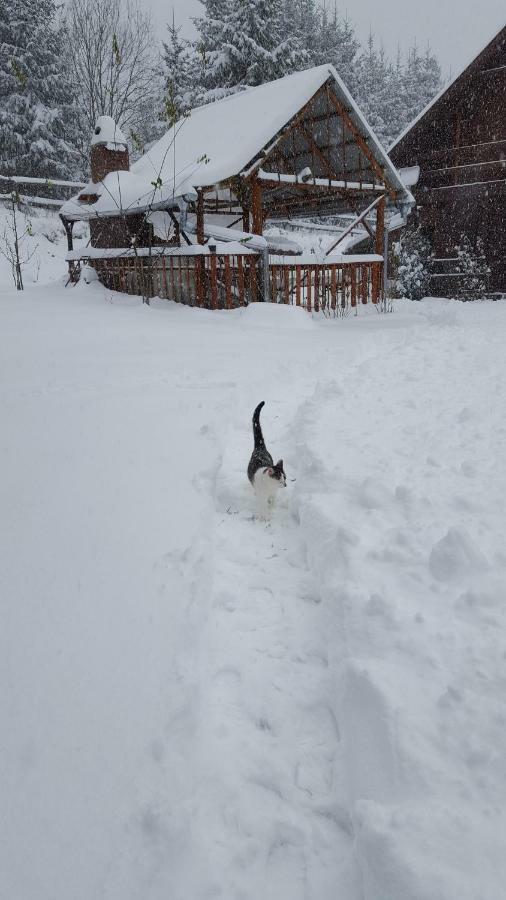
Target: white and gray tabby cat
(265,477)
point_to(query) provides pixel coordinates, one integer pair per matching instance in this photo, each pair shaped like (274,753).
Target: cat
(265,477)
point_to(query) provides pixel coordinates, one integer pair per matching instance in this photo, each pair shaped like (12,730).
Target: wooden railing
(212,281)
(46,192)
(327,287)
(228,281)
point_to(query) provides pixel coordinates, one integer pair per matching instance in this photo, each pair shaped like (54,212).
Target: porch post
(68,226)
(385,265)
(74,268)
(256,203)
(200,217)
(380,246)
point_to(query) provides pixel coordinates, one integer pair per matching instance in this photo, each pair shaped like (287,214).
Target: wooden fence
(326,287)
(212,281)
(228,281)
(45,192)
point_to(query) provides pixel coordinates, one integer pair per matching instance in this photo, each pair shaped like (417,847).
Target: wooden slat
(164,272)
(274,284)
(297,285)
(214,281)
(240,280)
(333,287)
(190,298)
(286,285)
(353,276)
(364,283)
(181,296)
(308,287)
(228,283)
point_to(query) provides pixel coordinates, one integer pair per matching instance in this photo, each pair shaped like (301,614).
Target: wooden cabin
(459,144)
(187,221)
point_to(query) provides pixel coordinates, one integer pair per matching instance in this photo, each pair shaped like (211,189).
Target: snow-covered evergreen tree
(420,82)
(372,88)
(178,73)
(414,258)
(390,94)
(336,43)
(36,104)
(302,18)
(243,43)
(473,269)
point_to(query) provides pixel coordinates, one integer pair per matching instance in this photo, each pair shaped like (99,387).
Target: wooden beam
(380,227)
(200,218)
(326,184)
(256,206)
(360,141)
(360,220)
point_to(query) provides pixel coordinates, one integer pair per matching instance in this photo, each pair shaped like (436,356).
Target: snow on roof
(218,141)
(409,175)
(107,132)
(441,93)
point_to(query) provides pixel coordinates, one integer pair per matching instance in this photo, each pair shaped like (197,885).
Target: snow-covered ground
(197,704)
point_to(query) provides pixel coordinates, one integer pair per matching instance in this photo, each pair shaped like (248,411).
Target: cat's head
(278,473)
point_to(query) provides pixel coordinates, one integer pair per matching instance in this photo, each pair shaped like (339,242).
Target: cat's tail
(257,428)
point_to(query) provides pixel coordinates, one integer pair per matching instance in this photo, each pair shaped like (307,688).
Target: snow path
(275,818)
(204,705)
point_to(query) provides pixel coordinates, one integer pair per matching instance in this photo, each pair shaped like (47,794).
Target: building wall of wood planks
(460,146)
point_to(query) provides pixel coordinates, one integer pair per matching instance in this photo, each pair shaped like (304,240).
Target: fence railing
(329,287)
(46,192)
(197,277)
(212,281)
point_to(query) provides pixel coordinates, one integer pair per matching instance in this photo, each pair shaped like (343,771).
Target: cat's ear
(269,471)
(279,464)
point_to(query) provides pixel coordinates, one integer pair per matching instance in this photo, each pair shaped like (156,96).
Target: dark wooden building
(459,143)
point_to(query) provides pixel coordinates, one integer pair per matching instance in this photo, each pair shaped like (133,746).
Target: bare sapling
(13,244)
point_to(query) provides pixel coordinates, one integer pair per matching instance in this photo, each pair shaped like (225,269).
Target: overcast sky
(455,29)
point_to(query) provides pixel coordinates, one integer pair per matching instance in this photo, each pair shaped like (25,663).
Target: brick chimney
(109,149)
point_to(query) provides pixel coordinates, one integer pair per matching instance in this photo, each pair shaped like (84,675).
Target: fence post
(385,266)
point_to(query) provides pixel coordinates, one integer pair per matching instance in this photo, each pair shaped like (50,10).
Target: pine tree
(336,44)
(414,259)
(302,18)
(473,269)
(243,43)
(178,75)
(36,105)
(372,88)
(420,82)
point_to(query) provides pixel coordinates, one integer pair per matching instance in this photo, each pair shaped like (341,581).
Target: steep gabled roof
(219,141)
(475,64)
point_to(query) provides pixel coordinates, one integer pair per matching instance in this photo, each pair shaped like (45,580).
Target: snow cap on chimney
(107,132)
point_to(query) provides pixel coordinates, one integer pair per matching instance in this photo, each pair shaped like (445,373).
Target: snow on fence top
(219,141)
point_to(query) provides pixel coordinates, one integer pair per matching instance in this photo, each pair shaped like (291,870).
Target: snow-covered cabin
(459,145)
(295,147)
